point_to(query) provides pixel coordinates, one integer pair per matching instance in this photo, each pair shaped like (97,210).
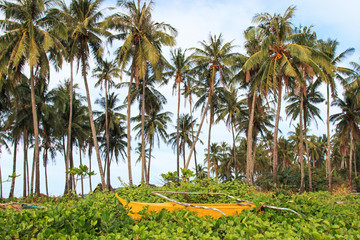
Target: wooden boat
(213,210)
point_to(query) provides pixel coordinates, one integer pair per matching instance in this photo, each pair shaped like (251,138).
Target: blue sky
(195,20)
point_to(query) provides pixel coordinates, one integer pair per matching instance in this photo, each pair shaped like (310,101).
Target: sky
(194,21)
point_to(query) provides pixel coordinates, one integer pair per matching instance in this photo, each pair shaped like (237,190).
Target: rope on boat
(186,204)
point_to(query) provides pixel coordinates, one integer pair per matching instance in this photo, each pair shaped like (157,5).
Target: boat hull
(227,209)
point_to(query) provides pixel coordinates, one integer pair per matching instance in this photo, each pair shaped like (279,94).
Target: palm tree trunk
(198,133)
(93,130)
(276,130)
(32,176)
(82,179)
(301,147)
(72,177)
(25,162)
(355,168)
(209,139)
(192,136)
(234,148)
(252,167)
(351,154)
(143,167)
(11,194)
(129,130)
(90,185)
(46,176)
(148,167)
(67,158)
(36,131)
(328,160)
(108,175)
(307,153)
(177,135)
(184,158)
(107,135)
(249,154)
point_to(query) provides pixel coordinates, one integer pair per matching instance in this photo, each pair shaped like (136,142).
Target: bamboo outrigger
(213,210)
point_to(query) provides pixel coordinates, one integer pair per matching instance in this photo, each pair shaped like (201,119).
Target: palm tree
(143,39)
(229,109)
(354,83)
(80,126)
(212,62)
(110,121)
(104,72)
(310,111)
(329,48)
(262,119)
(347,121)
(26,39)
(86,34)
(185,133)
(279,57)
(179,68)
(155,126)
(252,45)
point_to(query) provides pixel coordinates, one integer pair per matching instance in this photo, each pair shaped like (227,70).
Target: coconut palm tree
(329,48)
(185,135)
(310,111)
(87,34)
(110,121)
(229,109)
(347,121)
(105,72)
(212,63)
(27,39)
(155,129)
(279,58)
(143,39)
(179,69)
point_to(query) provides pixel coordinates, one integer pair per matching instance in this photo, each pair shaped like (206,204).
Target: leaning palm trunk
(301,147)
(93,130)
(36,131)
(11,194)
(192,136)
(177,135)
(328,160)
(198,133)
(209,141)
(67,159)
(249,158)
(143,164)
(275,150)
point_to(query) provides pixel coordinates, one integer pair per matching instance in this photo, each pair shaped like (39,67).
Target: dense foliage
(100,216)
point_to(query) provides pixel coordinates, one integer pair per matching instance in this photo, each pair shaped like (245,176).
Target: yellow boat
(213,210)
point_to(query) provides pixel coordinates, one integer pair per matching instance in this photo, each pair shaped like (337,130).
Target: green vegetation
(100,216)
